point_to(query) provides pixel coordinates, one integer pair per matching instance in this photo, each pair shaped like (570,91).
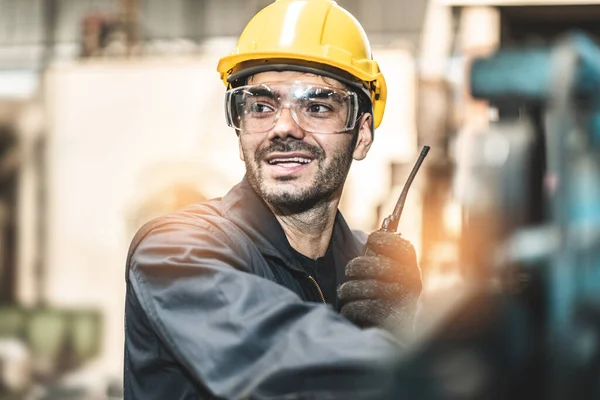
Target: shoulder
(196,234)
(193,219)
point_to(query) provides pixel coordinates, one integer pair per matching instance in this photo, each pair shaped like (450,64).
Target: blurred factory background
(111,114)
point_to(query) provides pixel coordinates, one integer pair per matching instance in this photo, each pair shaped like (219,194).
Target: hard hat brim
(307,67)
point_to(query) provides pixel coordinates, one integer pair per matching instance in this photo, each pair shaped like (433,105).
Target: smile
(289,162)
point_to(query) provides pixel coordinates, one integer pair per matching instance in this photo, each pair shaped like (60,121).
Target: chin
(281,196)
(298,200)
(286,186)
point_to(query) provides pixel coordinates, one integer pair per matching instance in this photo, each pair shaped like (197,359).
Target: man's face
(291,167)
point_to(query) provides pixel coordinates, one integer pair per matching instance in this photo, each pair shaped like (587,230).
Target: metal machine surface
(530,325)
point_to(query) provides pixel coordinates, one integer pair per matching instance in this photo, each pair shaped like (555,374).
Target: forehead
(293,76)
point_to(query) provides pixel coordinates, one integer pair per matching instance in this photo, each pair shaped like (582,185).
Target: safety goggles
(315,108)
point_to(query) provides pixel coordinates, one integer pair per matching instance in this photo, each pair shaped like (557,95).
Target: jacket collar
(248,211)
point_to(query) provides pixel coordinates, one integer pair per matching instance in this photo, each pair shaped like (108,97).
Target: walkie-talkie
(390,223)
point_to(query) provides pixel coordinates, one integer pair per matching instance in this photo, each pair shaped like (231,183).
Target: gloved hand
(383,288)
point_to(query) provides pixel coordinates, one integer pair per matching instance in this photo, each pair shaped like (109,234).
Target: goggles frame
(351,98)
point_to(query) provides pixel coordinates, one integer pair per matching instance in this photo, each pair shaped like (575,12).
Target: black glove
(383,288)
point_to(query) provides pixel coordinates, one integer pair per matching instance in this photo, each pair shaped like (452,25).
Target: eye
(318,108)
(260,108)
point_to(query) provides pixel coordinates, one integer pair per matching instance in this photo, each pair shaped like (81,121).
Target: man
(225,298)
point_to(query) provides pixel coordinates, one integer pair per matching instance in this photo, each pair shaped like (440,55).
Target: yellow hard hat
(308,35)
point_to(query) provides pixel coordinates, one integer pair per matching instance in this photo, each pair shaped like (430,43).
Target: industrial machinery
(529,326)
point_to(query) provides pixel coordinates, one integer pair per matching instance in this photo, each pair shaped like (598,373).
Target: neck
(309,231)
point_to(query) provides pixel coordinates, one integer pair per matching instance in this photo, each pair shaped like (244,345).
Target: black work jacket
(218,306)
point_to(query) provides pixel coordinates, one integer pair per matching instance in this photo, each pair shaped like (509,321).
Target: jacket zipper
(318,288)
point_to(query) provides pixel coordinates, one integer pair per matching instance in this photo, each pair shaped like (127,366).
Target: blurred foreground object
(530,191)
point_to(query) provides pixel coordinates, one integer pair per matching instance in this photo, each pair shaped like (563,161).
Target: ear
(365,137)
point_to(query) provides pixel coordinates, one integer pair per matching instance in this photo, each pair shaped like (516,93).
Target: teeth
(290,160)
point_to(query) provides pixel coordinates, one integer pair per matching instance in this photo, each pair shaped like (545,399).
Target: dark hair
(365,106)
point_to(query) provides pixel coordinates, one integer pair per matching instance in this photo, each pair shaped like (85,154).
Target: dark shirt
(324,271)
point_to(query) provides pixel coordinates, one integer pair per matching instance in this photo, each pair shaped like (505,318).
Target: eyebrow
(315,93)
(260,92)
(321,93)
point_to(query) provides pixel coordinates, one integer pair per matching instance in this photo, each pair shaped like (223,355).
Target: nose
(286,126)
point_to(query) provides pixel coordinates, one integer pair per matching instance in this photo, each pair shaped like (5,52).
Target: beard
(328,180)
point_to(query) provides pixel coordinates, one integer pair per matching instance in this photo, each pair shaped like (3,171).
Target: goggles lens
(315,108)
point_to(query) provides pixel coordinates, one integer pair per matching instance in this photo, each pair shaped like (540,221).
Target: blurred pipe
(436,41)
(131,12)
(563,282)
(30,126)
(480,30)
(40,280)
(50,12)
(195,14)
(434,104)
(50,15)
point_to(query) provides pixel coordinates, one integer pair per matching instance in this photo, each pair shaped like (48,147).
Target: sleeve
(243,336)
